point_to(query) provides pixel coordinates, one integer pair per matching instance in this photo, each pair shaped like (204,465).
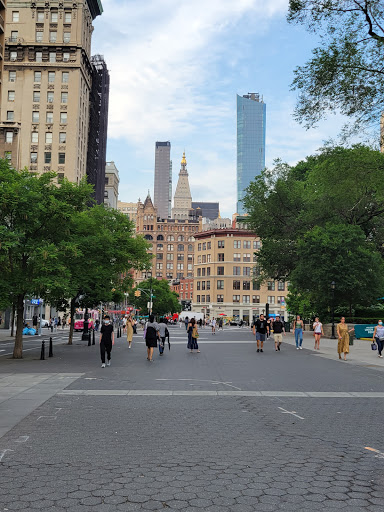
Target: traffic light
(137,293)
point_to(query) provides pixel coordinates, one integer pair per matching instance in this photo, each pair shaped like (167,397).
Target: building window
(34,137)
(15,16)
(236,285)
(65,77)
(50,96)
(271,299)
(12,76)
(170,247)
(35,116)
(66,57)
(246,258)
(54,16)
(204,247)
(246,299)
(246,271)
(235,298)
(39,36)
(220,244)
(8,155)
(11,95)
(52,56)
(37,76)
(246,285)
(180,247)
(47,158)
(208,271)
(51,76)
(271,286)
(220,284)
(237,271)
(10,115)
(255,286)
(170,238)
(199,247)
(13,56)
(40,16)
(49,117)
(61,158)
(198,272)
(246,244)
(52,36)
(281,286)
(67,17)
(9,137)
(203,298)
(199,258)
(220,256)
(198,298)
(14,36)
(159,266)
(63,117)
(280,299)
(198,285)
(170,266)
(208,245)
(36,96)
(204,258)
(67,37)
(237,244)
(208,285)
(48,137)
(220,298)
(33,158)
(39,56)
(256,244)
(159,255)
(208,298)
(236,256)
(64,97)
(203,271)
(170,257)
(62,137)
(220,271)
(256,299)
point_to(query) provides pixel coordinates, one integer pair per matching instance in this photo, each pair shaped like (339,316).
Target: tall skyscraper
(182,201)
(251,120)
(98,127)
(163,180)
(46,85)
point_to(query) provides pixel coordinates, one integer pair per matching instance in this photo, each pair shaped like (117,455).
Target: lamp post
(85,334)
(333,286)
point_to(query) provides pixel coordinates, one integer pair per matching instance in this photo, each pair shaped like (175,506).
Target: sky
(175,69)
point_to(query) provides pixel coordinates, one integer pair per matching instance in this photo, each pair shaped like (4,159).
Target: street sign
(35,302)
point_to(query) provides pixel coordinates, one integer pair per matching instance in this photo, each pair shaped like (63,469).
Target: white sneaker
(109,363)
(103,365)
(297,348)
(301,348)
(129,346)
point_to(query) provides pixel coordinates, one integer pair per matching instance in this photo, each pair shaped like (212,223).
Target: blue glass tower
(251,119)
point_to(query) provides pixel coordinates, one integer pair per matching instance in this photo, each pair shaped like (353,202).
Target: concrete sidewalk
(5,334)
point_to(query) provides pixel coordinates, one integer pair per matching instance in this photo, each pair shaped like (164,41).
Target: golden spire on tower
(184,161)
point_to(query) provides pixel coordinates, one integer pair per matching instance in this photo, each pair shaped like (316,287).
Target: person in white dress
(317,332)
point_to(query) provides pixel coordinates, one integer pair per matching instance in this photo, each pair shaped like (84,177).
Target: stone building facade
(46,85)
(128,209)
(172,243)
(223,276)
(111,187)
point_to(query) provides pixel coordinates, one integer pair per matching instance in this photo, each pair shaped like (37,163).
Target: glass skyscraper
(251,119)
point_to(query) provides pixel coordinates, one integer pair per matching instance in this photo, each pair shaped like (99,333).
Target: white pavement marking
(22,439)
(47,418)
(261,394)
(205,380)
(293,413)
(3,452)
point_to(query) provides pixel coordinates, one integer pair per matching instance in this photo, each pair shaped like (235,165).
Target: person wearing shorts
(260,328)
(278,331)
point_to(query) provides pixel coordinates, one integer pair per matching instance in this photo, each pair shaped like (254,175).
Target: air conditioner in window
(65,59)
(50,100)
(13,59)
(12,79)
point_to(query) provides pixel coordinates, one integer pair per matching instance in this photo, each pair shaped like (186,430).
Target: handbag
(195,334)
(373,346)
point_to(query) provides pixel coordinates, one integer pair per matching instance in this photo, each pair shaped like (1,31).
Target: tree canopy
(346,71)
(165,301)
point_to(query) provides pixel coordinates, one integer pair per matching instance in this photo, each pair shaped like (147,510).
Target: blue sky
(176,66)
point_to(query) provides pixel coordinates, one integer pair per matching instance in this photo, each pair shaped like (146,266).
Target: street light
(333,286)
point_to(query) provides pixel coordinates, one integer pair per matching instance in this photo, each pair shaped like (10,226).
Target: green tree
(165,301)
(33,211)
(345,72)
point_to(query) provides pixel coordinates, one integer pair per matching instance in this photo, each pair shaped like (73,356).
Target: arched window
(191,239)
(180,238)
(171,238)
(145,217)
(148,237)
(180,247)
(160,237)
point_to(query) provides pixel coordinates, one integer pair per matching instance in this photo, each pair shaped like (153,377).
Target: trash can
(287,326)
(351,338)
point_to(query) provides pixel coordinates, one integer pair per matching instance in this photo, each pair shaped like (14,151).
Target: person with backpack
(193,335)
(151,336)
(107,339)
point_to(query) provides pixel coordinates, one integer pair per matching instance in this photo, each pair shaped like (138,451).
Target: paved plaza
(221,431)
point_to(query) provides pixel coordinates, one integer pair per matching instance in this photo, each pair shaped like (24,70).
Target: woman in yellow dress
(343,336)
(129,331)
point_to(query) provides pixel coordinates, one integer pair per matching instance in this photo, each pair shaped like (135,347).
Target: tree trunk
(18,348)
(13,320)
(72,323)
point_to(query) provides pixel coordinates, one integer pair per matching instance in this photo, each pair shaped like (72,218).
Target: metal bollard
(50,347)
(42,355)
(93,337)
(89,339)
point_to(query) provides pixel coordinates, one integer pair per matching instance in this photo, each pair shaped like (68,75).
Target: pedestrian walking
(51,323)
(343,336)
(213,325)
(317,332)
(151,336)
(107,339)
(125,324)
(221,324)
(134,325)
(193,335)
(63,322)
(278,332)
(129,328)
(298,330)
(162,333)
(97,324)
(260,329)
(378,336)
(186,321)
(34,321)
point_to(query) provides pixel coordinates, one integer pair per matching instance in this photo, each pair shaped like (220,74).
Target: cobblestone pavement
(193,453)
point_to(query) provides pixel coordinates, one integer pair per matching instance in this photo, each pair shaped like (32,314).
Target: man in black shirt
(278,331)
(107,339)
(260,328)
